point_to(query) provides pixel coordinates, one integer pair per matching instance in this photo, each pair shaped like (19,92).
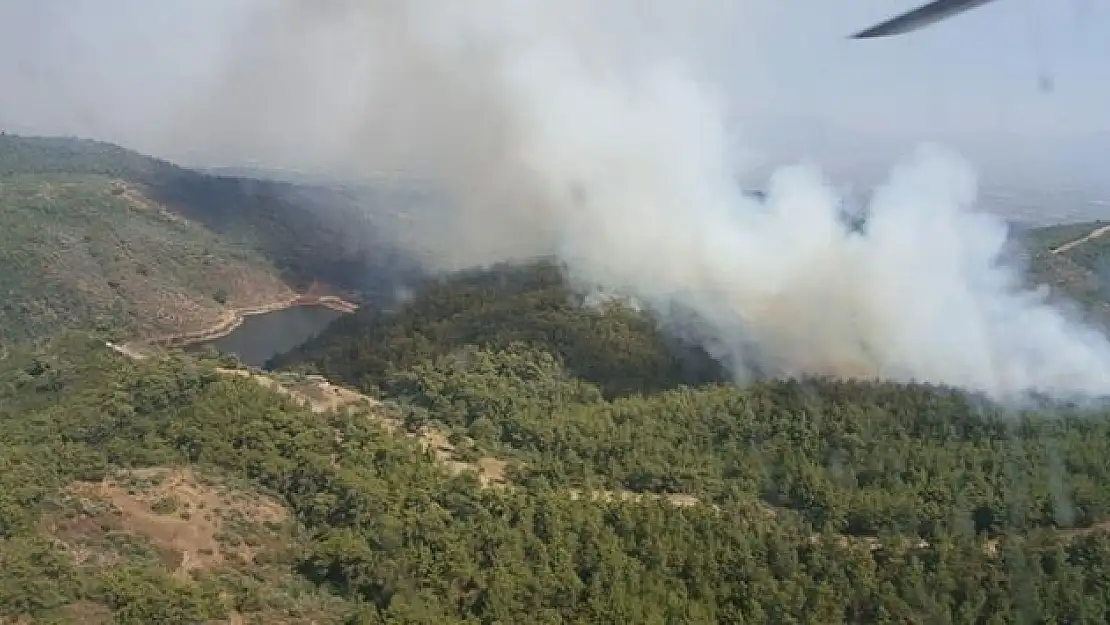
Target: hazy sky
(114,68)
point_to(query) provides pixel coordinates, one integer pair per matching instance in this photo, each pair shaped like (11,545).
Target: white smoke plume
(593,131)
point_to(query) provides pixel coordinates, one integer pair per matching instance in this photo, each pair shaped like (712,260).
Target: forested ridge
(620,350)
(846,502)
(818,501)
(508,360)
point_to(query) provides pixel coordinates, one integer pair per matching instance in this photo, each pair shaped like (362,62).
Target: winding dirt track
(322,397)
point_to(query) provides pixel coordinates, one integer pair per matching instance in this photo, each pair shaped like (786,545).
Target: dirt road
(1093,234)
(321,396)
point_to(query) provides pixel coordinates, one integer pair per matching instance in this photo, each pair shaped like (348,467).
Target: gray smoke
(593,131)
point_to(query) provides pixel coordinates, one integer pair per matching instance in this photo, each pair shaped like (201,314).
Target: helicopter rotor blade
(920,17)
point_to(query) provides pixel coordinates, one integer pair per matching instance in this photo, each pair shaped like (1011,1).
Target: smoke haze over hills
(559,130)
(605,134)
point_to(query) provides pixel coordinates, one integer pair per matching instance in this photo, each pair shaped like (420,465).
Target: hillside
(1073,260)
(99,237)
(305,234)
(492,451)
(311,234)
(90,252)
(171,492)
(622,351)
(535,305)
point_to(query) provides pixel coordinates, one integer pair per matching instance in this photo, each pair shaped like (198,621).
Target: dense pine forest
(809,501)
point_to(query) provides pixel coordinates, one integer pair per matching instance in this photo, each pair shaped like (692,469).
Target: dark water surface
(261,337)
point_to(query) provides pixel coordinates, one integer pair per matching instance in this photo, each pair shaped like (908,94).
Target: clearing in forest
(197,522)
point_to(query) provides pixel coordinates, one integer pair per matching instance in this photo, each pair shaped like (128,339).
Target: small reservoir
(261,337)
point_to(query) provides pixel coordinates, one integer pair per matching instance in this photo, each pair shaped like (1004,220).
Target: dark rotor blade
(919,18)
